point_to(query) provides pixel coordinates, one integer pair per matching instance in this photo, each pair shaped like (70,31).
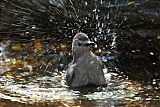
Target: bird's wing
(103,66)
(70,73)
(105,70)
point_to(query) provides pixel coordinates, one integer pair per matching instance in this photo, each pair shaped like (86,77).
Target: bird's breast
(89,63)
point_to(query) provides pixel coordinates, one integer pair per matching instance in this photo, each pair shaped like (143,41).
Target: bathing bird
(86,68)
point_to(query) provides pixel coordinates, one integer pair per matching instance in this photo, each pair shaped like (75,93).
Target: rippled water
(32,74)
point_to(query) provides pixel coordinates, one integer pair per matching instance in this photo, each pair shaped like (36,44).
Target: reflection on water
(33,73)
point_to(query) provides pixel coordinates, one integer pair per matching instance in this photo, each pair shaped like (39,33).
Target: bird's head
(81,43)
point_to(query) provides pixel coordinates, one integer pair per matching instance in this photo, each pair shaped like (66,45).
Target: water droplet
(95,39)
(91,62)
(94,10)
(95,46)
(85,21)
(108,16)
(154,81)
(33,27)
(151,53)
(86,3)
(101,1)
(96,17)
(108,30)
(133,51)
(99,50)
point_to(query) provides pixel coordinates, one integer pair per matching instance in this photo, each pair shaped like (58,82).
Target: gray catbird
(85,68)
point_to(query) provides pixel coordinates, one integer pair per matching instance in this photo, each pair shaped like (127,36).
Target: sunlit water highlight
(33,92)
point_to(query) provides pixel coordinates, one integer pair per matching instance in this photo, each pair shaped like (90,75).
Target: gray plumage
(85,68)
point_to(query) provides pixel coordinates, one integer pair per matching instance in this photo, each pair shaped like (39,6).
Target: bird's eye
(79,44)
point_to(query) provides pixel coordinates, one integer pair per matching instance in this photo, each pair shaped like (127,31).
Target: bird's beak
(90,43)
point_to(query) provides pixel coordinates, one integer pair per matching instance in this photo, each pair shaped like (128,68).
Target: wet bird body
(85,68)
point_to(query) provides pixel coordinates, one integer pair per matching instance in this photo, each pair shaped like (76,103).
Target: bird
(86,68)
